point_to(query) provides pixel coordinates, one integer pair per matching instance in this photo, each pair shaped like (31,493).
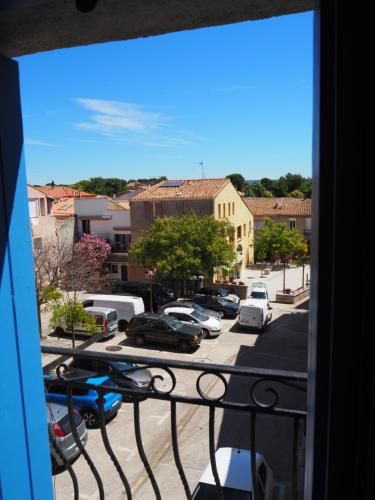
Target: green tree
(277,241)
(238,181)
(297,194)
(181,247)
(100,185)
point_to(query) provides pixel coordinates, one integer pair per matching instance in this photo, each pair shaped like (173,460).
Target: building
(294,212)
(42,222)
(217,197)
(110,220)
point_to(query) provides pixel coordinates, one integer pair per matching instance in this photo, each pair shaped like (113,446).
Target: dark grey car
(60,433)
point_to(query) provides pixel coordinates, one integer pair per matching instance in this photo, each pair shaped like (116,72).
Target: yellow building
(217,197)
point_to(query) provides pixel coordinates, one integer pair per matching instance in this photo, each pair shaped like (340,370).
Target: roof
(262,207)
(188,189)
(58,192)
(63,207)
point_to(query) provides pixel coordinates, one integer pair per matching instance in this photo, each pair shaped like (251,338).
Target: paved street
(282,346)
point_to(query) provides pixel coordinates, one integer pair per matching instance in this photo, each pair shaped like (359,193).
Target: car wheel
(122,324)
(139,340)
(206,332)
(90,417)
(59,331)
(184,346)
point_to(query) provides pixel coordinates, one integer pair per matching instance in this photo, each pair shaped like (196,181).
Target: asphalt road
(283,346)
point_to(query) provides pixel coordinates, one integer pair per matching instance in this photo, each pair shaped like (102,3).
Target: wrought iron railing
(262,386)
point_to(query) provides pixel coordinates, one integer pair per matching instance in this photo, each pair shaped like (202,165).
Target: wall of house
(172,208)
(241,217)
(65,234)
(95,208)
(301,224)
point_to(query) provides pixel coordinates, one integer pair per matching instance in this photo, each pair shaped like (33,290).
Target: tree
(100,185)
(277,241)
(238,181)
(85,270)
(297,194)
(48,261)
(181,247)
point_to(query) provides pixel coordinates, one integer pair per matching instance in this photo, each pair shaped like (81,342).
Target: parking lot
(283,345)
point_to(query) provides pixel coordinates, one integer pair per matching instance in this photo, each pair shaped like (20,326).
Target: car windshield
(209,492)
(221,302)
(223,292)
(258,295)
(199,316)
(197,307)
(176,324)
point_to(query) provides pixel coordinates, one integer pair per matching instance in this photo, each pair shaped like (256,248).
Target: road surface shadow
(282,347)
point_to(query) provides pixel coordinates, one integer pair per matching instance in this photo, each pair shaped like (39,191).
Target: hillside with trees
(294,185)
(110,186)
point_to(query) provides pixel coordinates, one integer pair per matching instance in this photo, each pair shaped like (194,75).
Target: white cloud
(34,142)
(131,123)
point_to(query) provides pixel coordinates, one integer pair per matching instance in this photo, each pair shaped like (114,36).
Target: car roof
(112,298)
(233,467)
(182,310)
(261,303)
(102,310)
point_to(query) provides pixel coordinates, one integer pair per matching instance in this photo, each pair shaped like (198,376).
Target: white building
(109,219)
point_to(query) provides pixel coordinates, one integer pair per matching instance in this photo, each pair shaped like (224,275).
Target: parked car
(220,292)
(228,309)
(160,295)
(105,319)
(86,400)
(210,326)
(255,314)
(61,435)
(190,303)
(125,306)
(163,329)
(234,471)
(125,375)
(259,290)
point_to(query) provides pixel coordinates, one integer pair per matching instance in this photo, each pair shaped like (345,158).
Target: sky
(237,98)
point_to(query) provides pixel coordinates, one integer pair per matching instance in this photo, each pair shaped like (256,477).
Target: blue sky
(237,97)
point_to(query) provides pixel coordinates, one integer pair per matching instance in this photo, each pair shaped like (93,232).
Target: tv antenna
(201,164)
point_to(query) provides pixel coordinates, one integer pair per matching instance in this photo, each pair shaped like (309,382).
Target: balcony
(228,406)
(307,232)
(117,247)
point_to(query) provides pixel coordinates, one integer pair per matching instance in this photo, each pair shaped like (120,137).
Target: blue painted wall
(25,470)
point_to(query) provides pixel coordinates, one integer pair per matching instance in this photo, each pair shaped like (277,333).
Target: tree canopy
(110,186)
(288,185)
(181,247)
(276,241)
(238,181)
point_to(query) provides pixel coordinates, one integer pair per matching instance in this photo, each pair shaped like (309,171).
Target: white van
(259,290)
(126,306)
(105,319)
(255,314)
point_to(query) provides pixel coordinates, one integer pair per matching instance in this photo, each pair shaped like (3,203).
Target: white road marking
(129,451)
(161,418)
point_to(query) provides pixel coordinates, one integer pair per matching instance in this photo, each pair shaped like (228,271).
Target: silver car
(193,305)
(210,326)
(60,433)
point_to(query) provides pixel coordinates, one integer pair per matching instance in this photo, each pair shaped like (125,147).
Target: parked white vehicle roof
(259,284)
(233,467)
(112,298)
(103,310)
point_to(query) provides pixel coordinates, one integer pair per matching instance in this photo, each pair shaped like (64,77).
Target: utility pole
(201,164)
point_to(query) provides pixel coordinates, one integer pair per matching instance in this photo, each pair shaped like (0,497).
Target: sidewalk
(293,279)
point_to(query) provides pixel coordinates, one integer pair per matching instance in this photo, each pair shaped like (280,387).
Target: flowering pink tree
(93,250)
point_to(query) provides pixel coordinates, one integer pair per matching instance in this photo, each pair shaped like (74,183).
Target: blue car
(86,400)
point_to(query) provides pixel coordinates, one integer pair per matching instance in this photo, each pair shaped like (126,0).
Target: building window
(114,268)
(122,242)
(86,226)
(219,209)
(153,208)
(292,223)
(33,208)
(229,209)
(232,207)
(238,232)
(244,230)
(308,223)
(249,227)
(223,209)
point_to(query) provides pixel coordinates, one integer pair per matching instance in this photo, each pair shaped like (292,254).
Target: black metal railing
(265,390)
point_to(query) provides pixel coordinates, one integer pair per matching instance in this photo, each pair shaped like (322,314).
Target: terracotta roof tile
(58,192)
(263,207)
(190,189)
(63,207)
